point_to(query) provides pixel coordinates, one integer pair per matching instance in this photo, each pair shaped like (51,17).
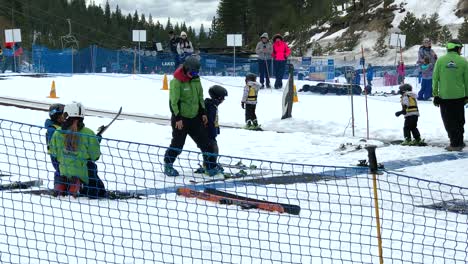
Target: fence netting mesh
(421,221)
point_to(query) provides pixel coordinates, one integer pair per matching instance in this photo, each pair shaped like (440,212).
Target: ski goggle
(451,45)
(55,111)
(194,73)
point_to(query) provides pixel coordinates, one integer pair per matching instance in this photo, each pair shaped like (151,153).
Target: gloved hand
(436,101)
(100,129)
(243,105)
(399,113)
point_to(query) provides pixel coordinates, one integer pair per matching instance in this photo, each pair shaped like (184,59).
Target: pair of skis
(111,195)
(213,195)
(20,185)
(244,171)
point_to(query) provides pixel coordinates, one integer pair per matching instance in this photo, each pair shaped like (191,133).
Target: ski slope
(167,228)
(320,123)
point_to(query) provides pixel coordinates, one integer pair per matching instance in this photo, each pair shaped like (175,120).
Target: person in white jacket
(249,100)
(185,47)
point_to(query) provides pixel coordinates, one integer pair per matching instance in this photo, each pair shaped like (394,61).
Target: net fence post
(373,169)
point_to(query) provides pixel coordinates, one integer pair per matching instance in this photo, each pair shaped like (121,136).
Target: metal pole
(234,57)
(72,60)
(373,169)
(13,27)
(365,94)
(139,58)
(352,107)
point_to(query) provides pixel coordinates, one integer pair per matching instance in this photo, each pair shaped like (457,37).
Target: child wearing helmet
(52,123)
(249,101)
(217,95)
(410,111)
(76,148)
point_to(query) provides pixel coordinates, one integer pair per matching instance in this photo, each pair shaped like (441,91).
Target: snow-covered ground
(318,127)
(335,221)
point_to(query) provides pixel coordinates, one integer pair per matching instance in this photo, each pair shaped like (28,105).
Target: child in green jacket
(76,148)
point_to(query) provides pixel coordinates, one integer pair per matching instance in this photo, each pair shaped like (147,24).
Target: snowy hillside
(445,8)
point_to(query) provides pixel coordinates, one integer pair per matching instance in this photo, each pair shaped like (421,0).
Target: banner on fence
(321,69)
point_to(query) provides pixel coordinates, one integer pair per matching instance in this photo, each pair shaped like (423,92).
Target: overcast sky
(193,12)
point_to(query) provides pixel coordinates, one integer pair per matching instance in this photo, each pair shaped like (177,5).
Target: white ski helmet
(74,110)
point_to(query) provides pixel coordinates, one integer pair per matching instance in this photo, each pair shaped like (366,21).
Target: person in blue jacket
(54,121)
(357,78)
(217,95)
(370,74)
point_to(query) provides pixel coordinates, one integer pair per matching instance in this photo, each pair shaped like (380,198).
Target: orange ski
(243,202)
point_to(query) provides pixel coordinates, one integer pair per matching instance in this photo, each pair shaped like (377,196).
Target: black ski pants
(196,130)
(95,187)
(411,127)
(250,112)
(453,116)
(279,67)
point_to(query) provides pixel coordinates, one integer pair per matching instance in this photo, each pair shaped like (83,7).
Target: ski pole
(268,72)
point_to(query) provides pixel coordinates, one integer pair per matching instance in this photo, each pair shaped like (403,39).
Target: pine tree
(387,3)
(412,28)
(202,37)
(317,50)
(216,34)
(107,12)
(380,46)
(463,31)
(432,27)
(169,26)
(445,35)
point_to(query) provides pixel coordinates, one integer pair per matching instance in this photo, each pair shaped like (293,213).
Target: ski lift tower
(69,41)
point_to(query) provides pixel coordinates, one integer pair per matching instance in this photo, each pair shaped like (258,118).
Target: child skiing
(51,124)
(217,95)
(410,110)
(249,101)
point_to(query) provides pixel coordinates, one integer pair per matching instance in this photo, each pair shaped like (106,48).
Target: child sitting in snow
(410,110)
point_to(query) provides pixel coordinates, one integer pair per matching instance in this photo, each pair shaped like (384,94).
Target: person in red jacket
(280,54)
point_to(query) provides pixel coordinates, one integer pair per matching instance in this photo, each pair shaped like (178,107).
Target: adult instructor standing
(188,117)
(450,91)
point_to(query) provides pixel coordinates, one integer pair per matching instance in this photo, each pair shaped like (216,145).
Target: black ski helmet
(405,88)
(217,92)
(251,77)
(55,110)
(192,63)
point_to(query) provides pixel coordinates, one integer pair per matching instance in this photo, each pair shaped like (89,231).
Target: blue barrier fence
(95,59)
